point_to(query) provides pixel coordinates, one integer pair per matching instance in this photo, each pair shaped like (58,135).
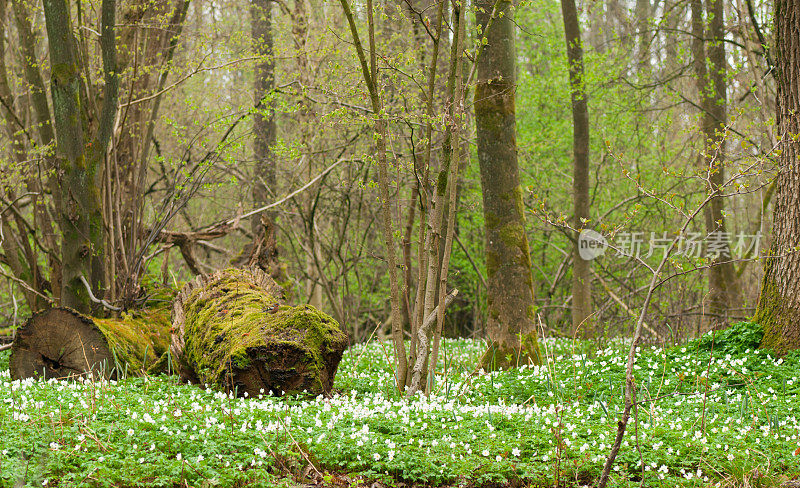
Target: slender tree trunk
(369,69)
(511,325)
(779,304)
(443,219)
(722,282)
(581,270)
(642,12)
(264,127)
(15,245)
(44,136)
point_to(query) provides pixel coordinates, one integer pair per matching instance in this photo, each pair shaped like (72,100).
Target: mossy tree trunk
(779,303)
(79,154)
(231,331)
(511,324)
(61,342)
(581,271)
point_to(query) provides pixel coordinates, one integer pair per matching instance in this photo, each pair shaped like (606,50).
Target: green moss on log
(236,334)
(138,340)
(62,343)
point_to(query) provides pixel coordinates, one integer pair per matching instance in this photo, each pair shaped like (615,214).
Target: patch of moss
(505,356)
(138,339)
(230,320)
(512,234)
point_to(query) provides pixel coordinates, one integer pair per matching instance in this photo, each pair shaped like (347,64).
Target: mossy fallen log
(62,343)
(231,330)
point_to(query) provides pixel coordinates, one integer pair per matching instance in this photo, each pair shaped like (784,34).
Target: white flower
(200,458)
(376,456)
(498,458)
(130,432)
(179,457)
(515,452)
(485,452)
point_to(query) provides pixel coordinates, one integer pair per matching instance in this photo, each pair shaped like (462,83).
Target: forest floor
(723,417)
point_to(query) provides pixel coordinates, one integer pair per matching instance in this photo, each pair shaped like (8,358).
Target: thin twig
(95,299)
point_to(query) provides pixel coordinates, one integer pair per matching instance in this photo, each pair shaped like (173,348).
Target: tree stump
(231,330)
(62,343)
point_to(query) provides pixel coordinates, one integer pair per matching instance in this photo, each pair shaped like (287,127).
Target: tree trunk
(264,129)
(511,324)
(369,69)
(16,245)
(264,253)
(60,342)
(779,304)
(79,212)
(45,136)
(642,12)
(722,284)
(581,270)
(231,330)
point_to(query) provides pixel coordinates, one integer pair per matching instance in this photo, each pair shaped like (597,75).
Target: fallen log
(62,343)
(231,330)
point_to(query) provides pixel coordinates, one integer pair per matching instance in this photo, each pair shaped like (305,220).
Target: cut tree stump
(62,343)
(231,330)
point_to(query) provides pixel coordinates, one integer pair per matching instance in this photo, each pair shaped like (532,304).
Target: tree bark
(723,291)
(79,212)
(511,324)
(264,128)
(581,270)
(779,303)
(264,252)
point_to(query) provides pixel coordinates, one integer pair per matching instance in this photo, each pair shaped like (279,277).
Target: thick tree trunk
(581,269)
(60,343)
(511,324)
(79,213)
(779,304)
(711,84)
(231,330)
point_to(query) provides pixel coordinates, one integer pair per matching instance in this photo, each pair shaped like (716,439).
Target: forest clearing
(422,243)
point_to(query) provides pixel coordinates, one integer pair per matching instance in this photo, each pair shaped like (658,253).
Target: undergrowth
(721,416)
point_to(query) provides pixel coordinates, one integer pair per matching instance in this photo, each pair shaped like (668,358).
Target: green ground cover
(721,416)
